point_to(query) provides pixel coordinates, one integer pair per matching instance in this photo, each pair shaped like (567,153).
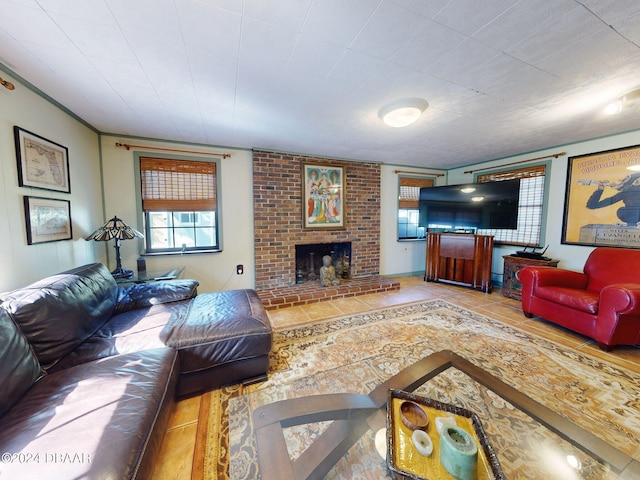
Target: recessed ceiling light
(613,108)
(477,199)
(467,190)
(402,113)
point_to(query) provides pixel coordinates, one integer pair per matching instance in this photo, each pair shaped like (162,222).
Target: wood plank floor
(183,439)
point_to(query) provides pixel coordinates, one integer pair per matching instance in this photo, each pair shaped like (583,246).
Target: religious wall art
(323,197)
(602,203)
(41,162)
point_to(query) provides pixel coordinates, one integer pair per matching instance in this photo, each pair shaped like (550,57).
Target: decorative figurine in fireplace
(328,272)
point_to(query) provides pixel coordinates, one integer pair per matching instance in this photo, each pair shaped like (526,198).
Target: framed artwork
(323,197)
(602,203)
(41,162)
(47,220)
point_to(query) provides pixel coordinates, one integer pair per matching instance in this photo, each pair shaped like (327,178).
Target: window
(530,208)
(408,213)
(408,224)
(179,204)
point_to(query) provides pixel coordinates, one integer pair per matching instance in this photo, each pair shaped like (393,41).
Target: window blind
(177,185)
(529,209)
(410,191)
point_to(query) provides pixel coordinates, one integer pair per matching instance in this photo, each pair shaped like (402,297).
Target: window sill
(186,252)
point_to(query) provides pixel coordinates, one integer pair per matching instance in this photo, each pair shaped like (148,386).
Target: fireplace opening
(309,260)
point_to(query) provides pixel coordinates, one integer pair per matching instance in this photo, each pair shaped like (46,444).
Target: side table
(511,286)
(152,276)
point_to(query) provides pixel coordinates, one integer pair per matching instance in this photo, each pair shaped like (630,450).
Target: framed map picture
(47,220)
(41,162)
(324,193)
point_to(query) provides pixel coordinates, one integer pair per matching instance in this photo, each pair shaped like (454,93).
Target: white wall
(397,258)
(214,271)
(22,263)
(570,256)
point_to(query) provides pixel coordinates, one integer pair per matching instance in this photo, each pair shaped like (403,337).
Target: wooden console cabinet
(460,258)
(511,286)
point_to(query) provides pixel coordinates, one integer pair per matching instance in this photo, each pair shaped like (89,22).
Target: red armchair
(602,303)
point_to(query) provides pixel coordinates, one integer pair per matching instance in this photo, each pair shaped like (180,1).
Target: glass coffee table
(338,430)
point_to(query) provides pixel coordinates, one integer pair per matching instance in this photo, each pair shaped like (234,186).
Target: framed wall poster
(602,203)
(47,220)
(324,193)
(41,162)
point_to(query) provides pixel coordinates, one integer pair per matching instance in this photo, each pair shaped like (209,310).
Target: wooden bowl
(413,416)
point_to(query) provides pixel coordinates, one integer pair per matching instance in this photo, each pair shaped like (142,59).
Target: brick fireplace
(278,225)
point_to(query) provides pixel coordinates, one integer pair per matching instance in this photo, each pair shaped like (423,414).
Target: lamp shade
(114,229)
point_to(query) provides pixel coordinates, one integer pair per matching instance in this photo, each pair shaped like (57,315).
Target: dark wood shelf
(511,286)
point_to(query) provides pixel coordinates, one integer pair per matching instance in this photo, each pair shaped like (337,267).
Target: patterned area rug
(358,352)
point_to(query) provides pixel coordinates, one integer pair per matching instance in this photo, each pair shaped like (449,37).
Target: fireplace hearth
(309,260)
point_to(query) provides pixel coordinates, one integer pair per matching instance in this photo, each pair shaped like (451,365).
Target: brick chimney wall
(278,216)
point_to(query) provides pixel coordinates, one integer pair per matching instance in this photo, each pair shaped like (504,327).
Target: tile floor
(183,440)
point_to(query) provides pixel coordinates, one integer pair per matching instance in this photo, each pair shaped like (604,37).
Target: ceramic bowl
(413,416)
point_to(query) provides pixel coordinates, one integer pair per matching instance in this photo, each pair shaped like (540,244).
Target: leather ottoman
(224,338)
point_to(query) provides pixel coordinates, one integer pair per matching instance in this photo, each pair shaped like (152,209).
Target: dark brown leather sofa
(89,370)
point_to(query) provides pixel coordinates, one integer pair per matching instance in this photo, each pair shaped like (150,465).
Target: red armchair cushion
(584,300)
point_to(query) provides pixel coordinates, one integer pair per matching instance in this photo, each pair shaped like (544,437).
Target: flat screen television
(471,206)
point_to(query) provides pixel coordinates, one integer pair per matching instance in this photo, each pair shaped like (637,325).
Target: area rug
(358,352)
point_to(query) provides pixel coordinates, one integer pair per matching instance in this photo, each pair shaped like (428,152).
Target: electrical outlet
(239,269)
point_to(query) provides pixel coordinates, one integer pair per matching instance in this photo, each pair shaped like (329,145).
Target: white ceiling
(502,77)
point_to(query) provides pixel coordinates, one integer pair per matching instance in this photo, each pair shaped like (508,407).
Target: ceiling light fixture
(613,108)
(402,113)
(632,97)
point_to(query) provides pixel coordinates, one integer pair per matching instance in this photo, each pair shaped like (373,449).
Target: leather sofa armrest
(615,300)
(141,295)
